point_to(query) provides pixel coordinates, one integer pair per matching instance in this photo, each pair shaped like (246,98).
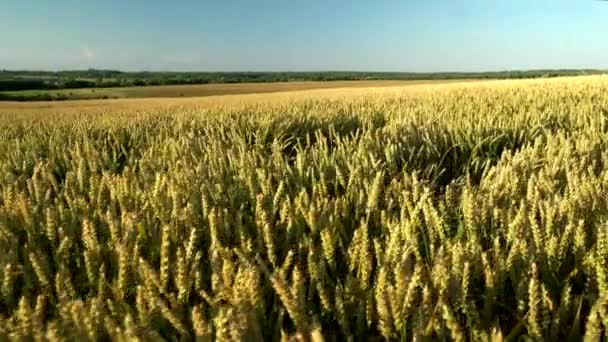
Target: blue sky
(269,35)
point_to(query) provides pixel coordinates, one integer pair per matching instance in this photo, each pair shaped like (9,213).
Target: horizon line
(303,71)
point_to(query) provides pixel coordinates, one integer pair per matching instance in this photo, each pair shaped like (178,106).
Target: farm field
(198,90)
(465,211)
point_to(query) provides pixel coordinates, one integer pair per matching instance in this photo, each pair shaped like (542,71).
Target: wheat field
(468,211)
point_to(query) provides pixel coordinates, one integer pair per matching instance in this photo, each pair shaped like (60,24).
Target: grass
(469,211)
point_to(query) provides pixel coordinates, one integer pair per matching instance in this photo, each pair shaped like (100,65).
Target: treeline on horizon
(92,78)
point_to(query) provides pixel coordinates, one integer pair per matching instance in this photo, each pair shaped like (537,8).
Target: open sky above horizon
(314,35)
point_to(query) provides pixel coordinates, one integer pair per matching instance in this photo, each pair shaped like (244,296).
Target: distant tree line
(49,80)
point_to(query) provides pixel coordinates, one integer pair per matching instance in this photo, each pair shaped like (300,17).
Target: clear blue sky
(269,35)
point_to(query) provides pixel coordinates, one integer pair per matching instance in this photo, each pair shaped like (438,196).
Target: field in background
(196,90)
(74,79)
(469,211)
